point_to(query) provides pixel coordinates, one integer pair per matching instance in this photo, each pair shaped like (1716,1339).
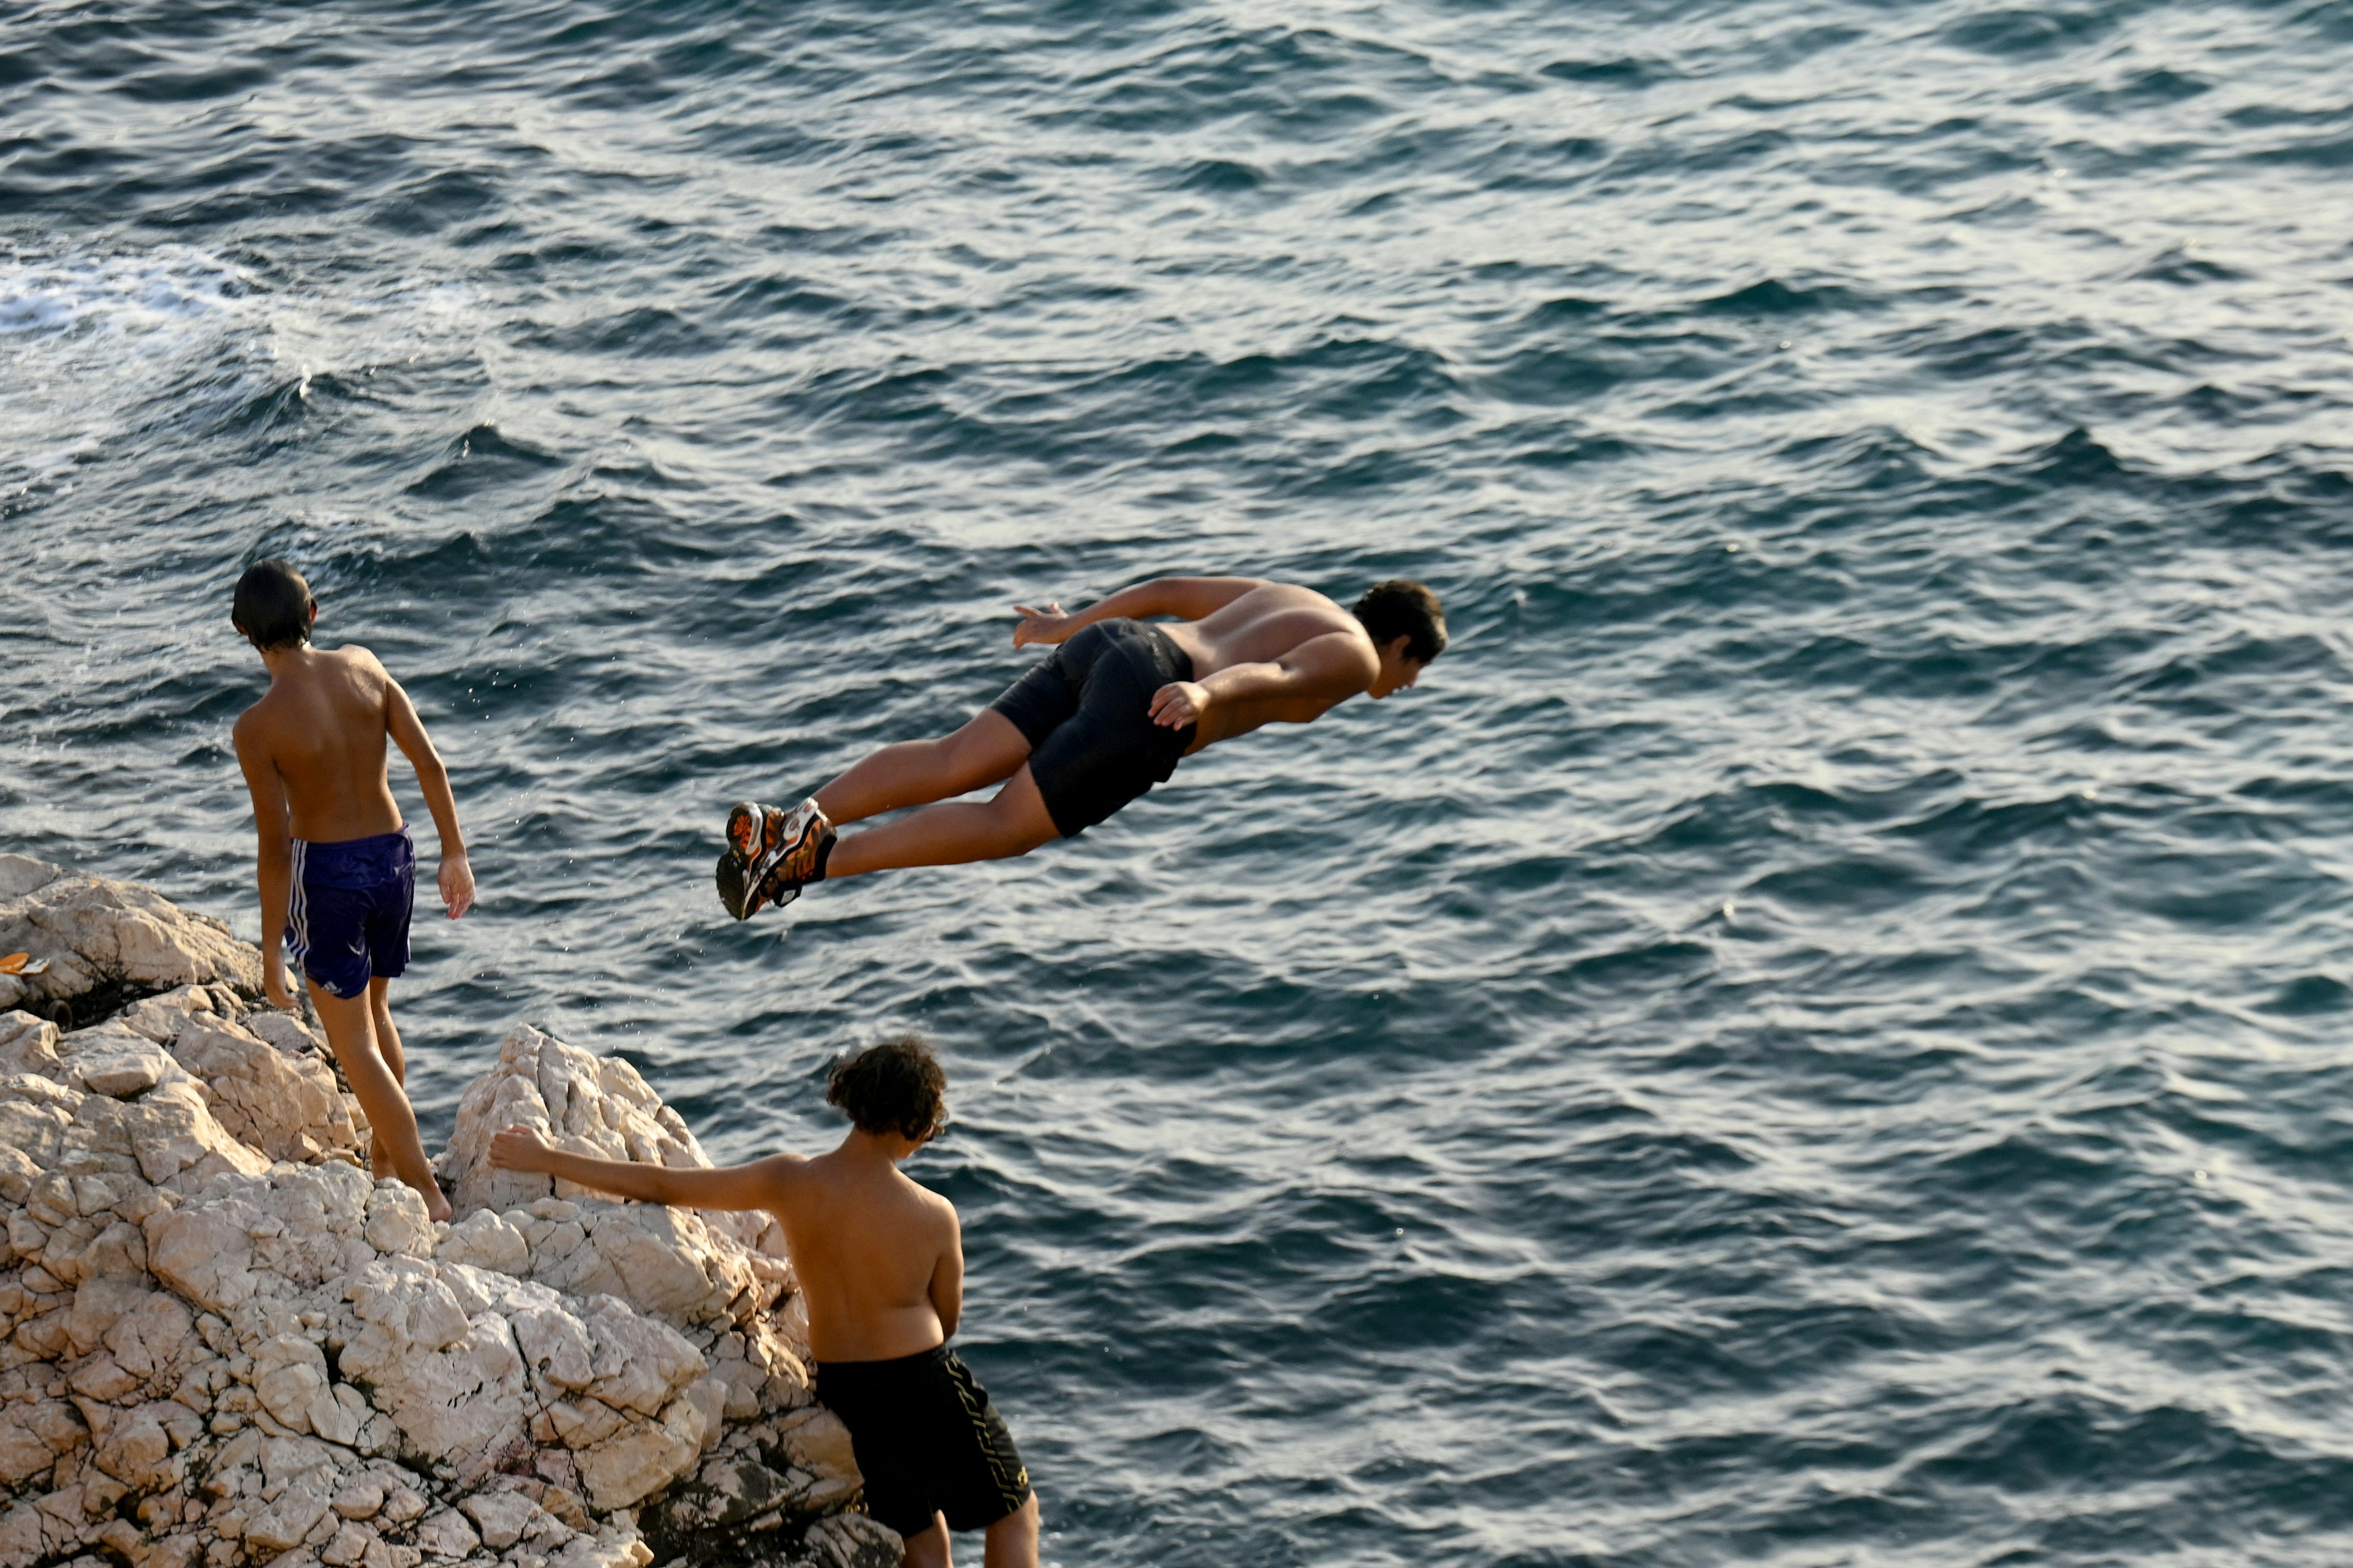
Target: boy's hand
(273,980)
(457,882)
(1049,625)
(1179,703)
(520,1148)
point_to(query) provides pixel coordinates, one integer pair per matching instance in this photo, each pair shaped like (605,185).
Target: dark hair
(895,1087)
(1404,608)
(272,606)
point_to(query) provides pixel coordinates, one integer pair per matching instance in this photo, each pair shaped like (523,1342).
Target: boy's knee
(1018,835)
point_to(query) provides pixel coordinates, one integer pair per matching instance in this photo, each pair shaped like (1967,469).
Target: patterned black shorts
(927,1440)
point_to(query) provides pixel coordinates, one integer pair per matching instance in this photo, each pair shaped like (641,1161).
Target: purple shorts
(347,920)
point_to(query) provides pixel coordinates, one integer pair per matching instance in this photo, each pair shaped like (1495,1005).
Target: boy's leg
(953,832)
(388,1045)
(351,1034)
(986,750)
(1012,1542)
(930,1548)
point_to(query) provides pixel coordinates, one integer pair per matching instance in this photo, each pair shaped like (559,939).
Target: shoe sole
(759,838)
(741,898)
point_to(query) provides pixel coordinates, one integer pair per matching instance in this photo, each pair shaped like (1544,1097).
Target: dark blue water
(1816,1035)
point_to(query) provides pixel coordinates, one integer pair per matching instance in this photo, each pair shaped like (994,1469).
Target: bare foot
(436,1207)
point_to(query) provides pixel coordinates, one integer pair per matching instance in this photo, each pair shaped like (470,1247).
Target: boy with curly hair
(880,1263)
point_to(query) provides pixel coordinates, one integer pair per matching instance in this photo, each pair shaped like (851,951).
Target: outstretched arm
(1187,598)
(758,1185)
(457,879)
(273,860)
(1315,675)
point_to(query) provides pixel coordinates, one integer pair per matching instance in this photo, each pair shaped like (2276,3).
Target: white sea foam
(170,290)
(95,345)
(88,339)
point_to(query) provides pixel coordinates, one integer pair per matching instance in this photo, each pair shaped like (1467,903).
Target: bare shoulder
(1291,596)
(781,1179)
(245,733)
(784,1171)
(1269,604)
(360,662)
(255,726)
(940,1213)
(362,674)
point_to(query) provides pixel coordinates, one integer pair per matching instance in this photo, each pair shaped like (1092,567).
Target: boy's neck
(279,660)
(875,1148)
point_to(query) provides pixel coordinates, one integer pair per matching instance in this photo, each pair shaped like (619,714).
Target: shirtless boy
(336,865)
(880,1263)
(1092,726)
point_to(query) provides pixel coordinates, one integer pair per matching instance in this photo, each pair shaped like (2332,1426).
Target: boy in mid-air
(336,865)
(880,1262)
(1092,726)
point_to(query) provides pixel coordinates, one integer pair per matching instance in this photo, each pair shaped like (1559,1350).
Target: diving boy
(881,1264)
(336,865)
(1092,726)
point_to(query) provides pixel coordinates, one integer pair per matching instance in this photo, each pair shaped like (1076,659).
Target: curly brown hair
(1404,608)
(895,1087)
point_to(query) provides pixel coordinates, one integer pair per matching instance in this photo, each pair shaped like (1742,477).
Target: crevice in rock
(86,1009)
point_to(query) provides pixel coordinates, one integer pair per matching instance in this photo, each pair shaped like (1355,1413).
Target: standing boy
(880,1262)
(336,865)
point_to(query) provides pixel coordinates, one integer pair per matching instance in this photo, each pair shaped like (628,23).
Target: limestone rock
(675,1264)
(266,1077)
(28,1045)
(114,1061)
(221,1343)
(854,1541)
(96,932)
(499,1517)
(593,1105)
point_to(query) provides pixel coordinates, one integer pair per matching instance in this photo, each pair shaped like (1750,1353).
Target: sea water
(1816,1034)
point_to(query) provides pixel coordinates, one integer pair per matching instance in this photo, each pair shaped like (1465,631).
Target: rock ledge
(220,1343)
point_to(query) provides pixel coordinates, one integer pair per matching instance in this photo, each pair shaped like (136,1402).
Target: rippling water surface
(1816,1035)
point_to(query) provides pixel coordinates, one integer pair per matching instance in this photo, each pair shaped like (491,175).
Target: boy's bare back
(880,1260)
(322,729)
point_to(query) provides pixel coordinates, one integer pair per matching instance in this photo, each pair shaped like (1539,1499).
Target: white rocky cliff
(221,1343)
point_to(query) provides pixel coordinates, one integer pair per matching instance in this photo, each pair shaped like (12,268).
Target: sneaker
(798,870)
(769,849)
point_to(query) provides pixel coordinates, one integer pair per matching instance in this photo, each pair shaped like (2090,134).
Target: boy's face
(1397,669)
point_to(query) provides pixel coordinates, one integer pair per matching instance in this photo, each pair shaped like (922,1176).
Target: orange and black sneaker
(771,854)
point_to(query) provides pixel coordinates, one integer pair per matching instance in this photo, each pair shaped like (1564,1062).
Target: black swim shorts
(927,1440)
(1086,710)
